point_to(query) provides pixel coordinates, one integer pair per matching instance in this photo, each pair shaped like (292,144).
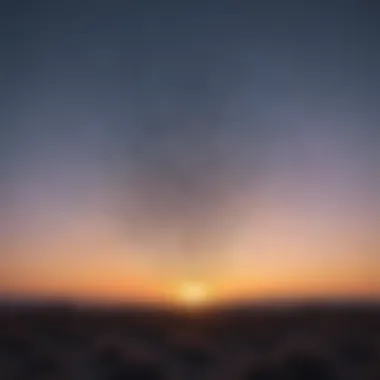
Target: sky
(149,143)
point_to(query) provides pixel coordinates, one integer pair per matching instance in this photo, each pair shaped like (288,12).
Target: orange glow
(94,266)
(193,294)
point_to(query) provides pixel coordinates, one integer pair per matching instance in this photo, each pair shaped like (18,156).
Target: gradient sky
(145,143)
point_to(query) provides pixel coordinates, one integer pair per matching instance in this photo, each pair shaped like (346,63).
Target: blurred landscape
(211,165)
(298,342)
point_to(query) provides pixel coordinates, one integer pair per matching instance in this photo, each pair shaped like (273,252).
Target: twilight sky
(145,143)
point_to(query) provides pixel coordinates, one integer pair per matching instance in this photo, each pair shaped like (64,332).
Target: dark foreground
(309,343)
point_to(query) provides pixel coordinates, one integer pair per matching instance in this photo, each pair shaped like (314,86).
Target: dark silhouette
(319,343)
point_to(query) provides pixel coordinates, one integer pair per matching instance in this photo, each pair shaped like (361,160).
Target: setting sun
(193,294)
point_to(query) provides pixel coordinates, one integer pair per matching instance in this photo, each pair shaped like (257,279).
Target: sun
(192,294)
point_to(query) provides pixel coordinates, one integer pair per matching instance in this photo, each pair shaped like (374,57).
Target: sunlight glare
(193,294)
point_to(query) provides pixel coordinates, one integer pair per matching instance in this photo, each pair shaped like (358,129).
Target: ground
(298,343)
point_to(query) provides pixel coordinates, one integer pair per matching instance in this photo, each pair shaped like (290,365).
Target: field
(250,343)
